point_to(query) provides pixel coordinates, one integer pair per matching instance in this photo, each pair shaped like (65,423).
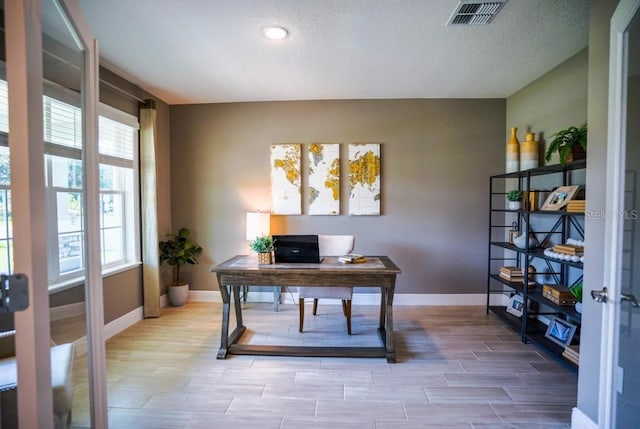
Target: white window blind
(62,123)
(4,107)
(116,139)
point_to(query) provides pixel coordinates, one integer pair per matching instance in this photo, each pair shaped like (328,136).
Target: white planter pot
(178,295)
(514,205)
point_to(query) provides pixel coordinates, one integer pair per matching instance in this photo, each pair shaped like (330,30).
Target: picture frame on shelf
(560,197)
(515,305)
(560,331)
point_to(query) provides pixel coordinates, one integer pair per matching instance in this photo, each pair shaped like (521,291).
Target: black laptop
(296,249)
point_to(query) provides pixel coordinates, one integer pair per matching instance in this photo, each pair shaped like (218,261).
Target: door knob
(631,298)
(599,295)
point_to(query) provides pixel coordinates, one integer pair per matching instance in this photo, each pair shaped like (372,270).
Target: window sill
(71,283)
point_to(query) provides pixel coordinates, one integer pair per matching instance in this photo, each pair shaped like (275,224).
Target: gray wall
(436,159)
(552,102)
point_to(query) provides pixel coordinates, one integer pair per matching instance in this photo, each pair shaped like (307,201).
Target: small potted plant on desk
(263,246)
(176,251)
(515,199)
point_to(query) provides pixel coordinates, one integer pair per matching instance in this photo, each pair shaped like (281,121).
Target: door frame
(25,82)
(616,158)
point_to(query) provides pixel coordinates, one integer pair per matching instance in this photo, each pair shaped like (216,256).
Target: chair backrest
(336,245)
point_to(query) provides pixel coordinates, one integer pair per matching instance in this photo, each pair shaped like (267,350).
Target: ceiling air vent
(475,13)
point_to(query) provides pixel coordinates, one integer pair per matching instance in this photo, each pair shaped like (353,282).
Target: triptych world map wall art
(323,179)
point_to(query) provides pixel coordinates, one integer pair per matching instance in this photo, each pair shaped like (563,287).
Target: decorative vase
(529,152)
(513,152)
(520,241)
(515,205)
(178,294)
(264,258)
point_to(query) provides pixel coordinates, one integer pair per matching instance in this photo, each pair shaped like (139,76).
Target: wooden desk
(378,271)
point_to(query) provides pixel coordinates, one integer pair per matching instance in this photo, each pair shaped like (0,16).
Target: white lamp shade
(258,225)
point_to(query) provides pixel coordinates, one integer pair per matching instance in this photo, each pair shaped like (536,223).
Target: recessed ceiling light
(275,32)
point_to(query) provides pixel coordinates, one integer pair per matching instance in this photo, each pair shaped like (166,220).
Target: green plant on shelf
(564,142)
(514,195)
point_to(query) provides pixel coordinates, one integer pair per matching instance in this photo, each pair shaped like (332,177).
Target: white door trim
(614,205)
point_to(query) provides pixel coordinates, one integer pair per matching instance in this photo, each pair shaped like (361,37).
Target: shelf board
(535,294)
(540,212)
(537,253)
(514,322)
(538,337)
(518,286)
(547,169)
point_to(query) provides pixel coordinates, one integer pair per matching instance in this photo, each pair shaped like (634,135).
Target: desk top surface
(329,264)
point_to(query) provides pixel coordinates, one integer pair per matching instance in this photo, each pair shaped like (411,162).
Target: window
(118,144)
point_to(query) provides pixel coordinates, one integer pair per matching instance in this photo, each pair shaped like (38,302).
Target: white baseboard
(66,311)
(110,329)
(363,298)
(580,420)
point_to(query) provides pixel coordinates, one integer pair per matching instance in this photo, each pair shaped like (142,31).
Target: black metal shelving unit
(529,325)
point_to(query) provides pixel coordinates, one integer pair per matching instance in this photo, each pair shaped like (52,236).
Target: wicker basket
(265,258)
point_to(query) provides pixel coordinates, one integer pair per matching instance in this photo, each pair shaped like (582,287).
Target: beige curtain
(149,210)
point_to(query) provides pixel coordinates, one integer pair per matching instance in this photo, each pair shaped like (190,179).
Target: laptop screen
(296,248)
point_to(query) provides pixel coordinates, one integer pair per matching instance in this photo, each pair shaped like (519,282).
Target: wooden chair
(329,245)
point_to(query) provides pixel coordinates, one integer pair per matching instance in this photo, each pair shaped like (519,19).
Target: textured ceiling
(202,51)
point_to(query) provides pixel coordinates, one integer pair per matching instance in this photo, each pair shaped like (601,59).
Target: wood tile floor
(457,368)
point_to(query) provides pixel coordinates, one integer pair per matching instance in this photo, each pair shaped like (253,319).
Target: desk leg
(224,334)
(391,352)
(236,304)
(383,307)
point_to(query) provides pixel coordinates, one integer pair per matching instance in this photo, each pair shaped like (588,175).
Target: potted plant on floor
(263,246)
(515,199)
(178,250)
(570,143)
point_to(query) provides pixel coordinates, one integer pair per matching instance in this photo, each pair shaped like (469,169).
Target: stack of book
(576,206)
(352,258)
(572,353)
(514,274)
(569,249)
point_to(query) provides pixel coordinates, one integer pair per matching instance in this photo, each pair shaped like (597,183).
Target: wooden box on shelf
(558,294)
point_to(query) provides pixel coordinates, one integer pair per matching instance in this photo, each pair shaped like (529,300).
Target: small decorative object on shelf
(571,251)
(513,152)
(558,294)
(520,241)
(263,246)
(529,152)
(560,197)
(516,275)
(515,305)
(515,199)
(532,200)
(560,331)
(576,206)
(572,354)
(576,290)
(570,143)
(513,231)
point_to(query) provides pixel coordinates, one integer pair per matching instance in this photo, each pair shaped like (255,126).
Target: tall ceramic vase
(513,152)
(529,152)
